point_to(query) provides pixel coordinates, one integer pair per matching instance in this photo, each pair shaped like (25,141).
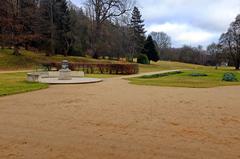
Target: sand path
(116,120)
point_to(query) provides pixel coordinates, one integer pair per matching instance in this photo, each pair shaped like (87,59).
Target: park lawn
(13,83)
(214,79)
(167,65)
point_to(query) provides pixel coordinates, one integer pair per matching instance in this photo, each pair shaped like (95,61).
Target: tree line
(102,28)
(226,51)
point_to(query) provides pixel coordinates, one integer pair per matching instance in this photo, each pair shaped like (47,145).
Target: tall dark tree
(62,25)
(5,22)
(150,50)
(47,27)
(79,32)
(137,32)
(55,26)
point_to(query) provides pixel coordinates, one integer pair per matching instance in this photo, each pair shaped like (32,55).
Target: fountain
(63,76)
(65,72)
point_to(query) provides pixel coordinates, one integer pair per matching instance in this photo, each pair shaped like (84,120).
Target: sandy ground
(116,120)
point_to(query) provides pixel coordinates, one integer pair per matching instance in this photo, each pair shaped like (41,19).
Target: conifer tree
(62,23)
(137,31)
(56,25)
(150,50)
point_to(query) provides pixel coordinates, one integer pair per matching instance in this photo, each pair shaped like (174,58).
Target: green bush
(143,59)
(195,74)
(229,77)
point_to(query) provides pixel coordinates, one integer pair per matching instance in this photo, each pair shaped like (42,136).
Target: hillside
(31,60)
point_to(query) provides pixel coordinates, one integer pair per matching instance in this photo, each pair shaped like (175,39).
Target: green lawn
(13,83)
(167,65)
(184,79)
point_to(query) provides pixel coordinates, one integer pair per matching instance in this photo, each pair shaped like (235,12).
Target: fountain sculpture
(65,72)
(63,76)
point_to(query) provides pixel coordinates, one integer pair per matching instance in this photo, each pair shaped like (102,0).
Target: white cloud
(190,21)
(184,34)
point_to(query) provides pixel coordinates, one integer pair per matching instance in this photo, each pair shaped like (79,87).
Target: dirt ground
(116,120)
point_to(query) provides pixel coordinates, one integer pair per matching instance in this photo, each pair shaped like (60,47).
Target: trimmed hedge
(125,69)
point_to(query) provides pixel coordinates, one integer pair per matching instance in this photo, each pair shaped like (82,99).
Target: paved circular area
(74,80)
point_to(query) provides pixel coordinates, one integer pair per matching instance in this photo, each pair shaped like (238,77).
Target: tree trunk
(97,40)
(65,53)
(237,65)
(16,51)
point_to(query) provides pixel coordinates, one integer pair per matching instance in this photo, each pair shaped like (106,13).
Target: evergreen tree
(62,24)
(80,39)
(55,25)
(150,50)
(137,31)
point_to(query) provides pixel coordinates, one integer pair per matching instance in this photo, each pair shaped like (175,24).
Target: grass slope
(30,60)
(13,83)
(167,65)
(185,79)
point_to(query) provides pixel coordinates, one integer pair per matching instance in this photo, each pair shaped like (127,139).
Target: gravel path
(116,120)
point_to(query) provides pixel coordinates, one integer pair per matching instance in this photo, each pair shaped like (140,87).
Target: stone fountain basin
(52,77)
(74,80)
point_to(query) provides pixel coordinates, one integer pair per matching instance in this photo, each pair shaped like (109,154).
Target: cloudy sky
(191,22)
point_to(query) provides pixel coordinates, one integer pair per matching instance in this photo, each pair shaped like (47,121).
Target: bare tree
(230,42)
(100,11)
(214,51)
(162,39)
(5,22)
(17,23)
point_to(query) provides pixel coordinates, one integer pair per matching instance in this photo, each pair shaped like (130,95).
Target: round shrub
(229,77)
(143,59)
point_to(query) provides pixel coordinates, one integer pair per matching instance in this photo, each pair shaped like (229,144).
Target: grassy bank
(13,83)
(29,60)
(32,60)
(167,65)
(185,79)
